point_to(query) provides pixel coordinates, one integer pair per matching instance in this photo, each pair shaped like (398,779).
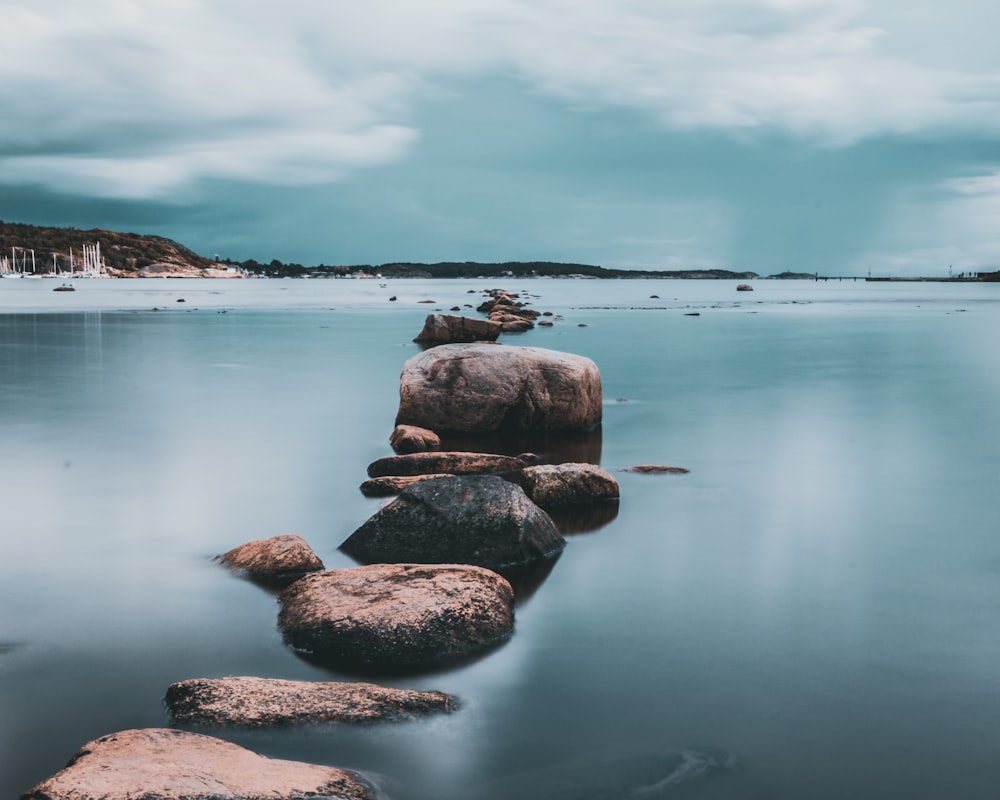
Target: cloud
(147,99)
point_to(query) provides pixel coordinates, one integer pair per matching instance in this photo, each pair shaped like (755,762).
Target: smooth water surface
(813,611)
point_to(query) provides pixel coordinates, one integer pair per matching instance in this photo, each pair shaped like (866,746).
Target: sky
(835,136)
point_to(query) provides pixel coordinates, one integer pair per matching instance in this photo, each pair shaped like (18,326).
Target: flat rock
(449,462)
(485,388)
(253,702)
(279,560)
(397,617)
(473,519)
(449,328)
(551,485)
(389,485)
(411,439)
(164,764)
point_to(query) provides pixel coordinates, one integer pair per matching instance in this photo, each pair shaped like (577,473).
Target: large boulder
(397,617)
(448,328)
(554,485)
(251,702)
(450,463)
(484,388)
(473,519)
(277,561)
(163,764)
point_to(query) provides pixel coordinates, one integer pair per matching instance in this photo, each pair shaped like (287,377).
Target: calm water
(813,611)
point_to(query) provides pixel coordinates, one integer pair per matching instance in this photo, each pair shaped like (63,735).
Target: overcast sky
(837,136)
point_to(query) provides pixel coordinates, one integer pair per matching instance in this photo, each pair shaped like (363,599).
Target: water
(813,611)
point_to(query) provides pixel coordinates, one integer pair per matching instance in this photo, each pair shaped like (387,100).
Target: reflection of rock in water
(580,447)
(619,774)
(584,517)
(526,579)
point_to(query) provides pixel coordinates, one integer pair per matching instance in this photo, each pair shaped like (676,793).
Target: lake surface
(813,611)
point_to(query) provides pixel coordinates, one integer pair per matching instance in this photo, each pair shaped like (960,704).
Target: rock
(277,561)
(546,324)
(163,764)
(263,701)
(744,287)
(484,388)
(648,469)
(389,485)
(447,328)
(451,463)
(474,519)
(551,485)
(397,616)
(411,439)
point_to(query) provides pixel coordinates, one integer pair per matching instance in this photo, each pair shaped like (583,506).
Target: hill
(124,254)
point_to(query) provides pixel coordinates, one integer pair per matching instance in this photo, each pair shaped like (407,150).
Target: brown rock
(263,701)
(278,560)
(446,328)
(451,463)
(411,439)
(649,469)
(484,388)
(163,764)
(389,485)
(472,519)
(397,616)
(551,485)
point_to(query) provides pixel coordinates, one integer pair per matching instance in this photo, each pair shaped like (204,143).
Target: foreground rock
(553,485)
(411,439)
(397,617)
(263,701)
(162,764)
(450,463)
(481,520)
(448,328)
(485,388)
(279,560)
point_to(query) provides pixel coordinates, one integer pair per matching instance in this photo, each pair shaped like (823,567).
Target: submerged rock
(450,463)
(411,439)
(397,617)
(484,388)
(482,520)
(278,561)
(652,469)
(551,485)
(264,701)
(163,764)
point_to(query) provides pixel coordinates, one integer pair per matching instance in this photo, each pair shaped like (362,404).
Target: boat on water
(64,287)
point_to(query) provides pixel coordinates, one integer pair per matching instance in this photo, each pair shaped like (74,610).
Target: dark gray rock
(482,520)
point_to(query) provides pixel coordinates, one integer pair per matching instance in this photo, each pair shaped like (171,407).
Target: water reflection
(563,447)
(584,517)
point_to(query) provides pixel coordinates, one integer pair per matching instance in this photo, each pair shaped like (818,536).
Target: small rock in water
(650,469)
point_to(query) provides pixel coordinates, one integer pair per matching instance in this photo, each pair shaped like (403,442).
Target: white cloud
(141,99)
